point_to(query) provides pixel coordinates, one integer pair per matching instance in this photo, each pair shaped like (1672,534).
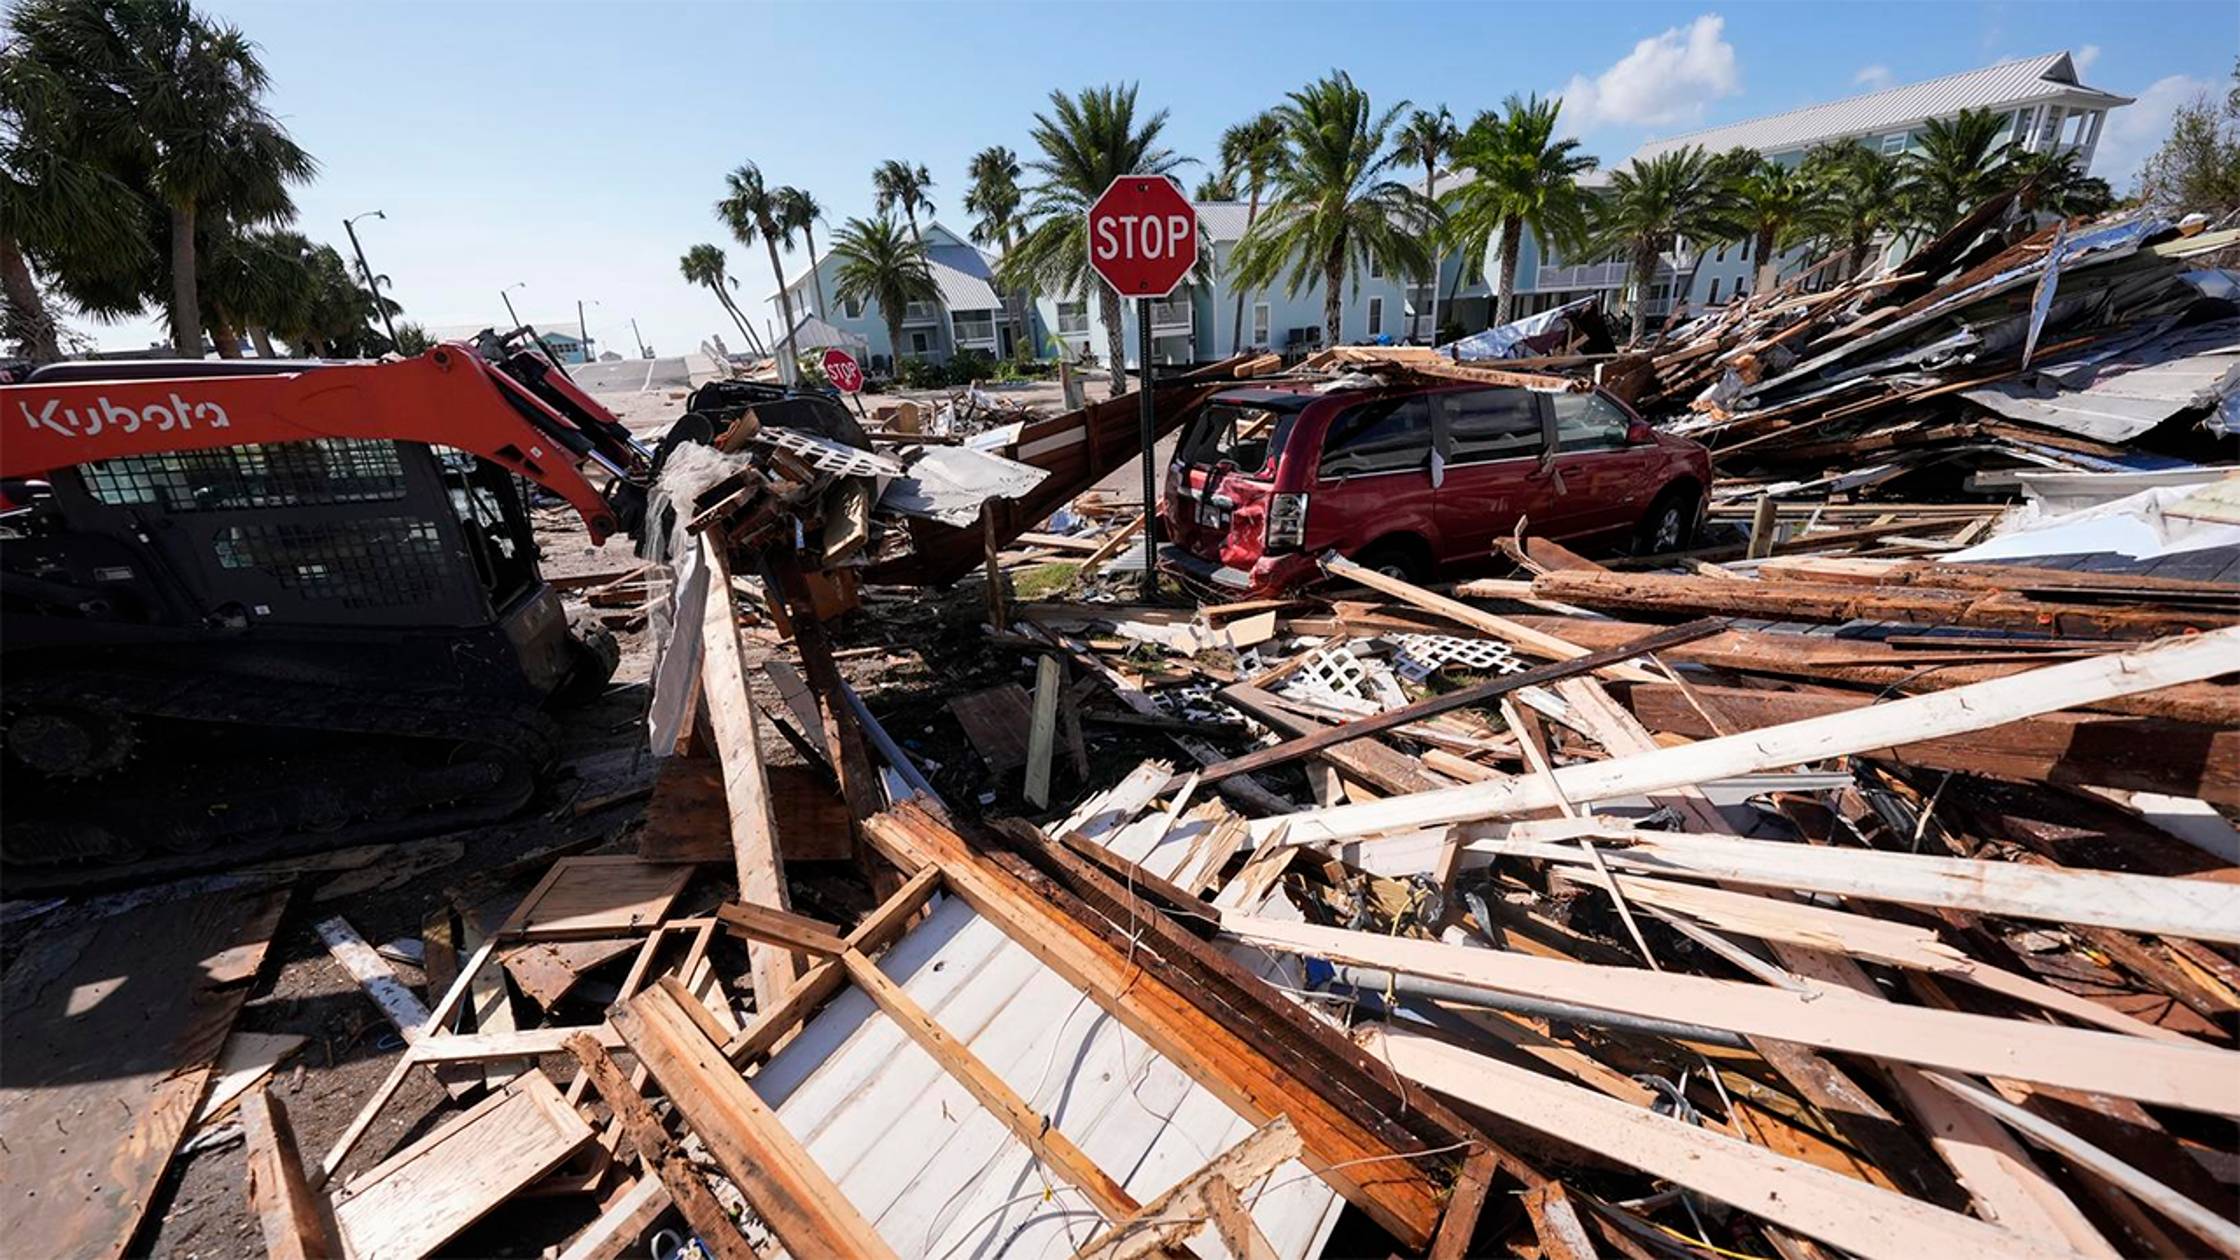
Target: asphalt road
(631,374)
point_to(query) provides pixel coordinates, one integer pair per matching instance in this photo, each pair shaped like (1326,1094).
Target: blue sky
(579,147)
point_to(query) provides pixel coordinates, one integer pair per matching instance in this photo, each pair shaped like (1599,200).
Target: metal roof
(2007,84)
(961,271)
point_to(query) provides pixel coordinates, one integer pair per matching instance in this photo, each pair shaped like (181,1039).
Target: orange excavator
(250,605)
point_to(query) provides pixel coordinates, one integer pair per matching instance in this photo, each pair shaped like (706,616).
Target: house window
(1376,317)
(919,344)
(1376,267)
(1895,142)
(1260,320)
(1722,252)
(1073,317)
(852,307)
(1714,298)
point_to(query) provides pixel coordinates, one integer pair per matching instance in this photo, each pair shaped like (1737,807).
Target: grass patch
(1043,579)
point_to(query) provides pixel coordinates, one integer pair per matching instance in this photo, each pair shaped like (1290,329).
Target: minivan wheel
(1669,525)
(1396,560)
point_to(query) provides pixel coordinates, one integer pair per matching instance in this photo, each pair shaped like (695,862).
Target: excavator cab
(339,633)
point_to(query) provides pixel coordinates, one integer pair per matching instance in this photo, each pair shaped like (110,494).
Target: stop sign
(1143,236)
(843,371)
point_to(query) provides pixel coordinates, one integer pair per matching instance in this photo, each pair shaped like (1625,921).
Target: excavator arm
(517,414)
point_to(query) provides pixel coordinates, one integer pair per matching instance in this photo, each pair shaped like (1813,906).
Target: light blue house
(969,316)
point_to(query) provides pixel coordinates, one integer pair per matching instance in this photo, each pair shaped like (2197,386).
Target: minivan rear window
(1244,435)
(1387,435)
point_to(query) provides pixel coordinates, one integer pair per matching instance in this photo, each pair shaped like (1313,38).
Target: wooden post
(1042,736)
(1762,527)
(998,615)
(859,777)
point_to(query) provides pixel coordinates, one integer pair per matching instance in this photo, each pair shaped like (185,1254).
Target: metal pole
(1149,425)
(505,295)
(583,331)
(643,353)
(372,284)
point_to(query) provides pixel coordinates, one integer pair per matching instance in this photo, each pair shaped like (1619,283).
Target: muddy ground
(906,652)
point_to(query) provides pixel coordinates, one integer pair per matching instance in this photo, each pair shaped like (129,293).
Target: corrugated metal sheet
(2116,398)
(963,276)
(2004,85)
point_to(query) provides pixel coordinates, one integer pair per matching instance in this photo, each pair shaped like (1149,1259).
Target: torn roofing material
(2117,398)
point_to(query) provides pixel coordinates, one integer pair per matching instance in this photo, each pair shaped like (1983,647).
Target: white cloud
(2133,132)
(1667,78)
(2084,57)
(1874,78)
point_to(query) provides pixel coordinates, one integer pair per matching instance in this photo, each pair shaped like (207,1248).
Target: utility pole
(583,331)
(643,352)
(372,284)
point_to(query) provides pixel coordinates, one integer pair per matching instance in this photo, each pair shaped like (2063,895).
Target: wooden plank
(777,1021)
(665,1165)
(112,1031)
(995,722)
(372,972)
(779,1180)
(1171,1219)
(1042,731)
(2132,754)
(2199,908)
(779,927)
(1515,633)
(859,775)
(248,1058)
(731,718)
(1369,760)
(546,970)
(1461,698)
(600,896)
(1863,1219)
(623,1223)
(424,1195)
(1562,1235)
(1938,715)
(2194,1077)
(293,1220)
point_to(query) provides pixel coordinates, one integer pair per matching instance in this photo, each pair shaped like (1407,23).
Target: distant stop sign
(843,371)
(1143,236)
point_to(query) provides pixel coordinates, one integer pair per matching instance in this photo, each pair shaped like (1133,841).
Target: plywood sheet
(599,896)
(685,820)
(424,1195)
(996,722)
(546,970)
(112,1031)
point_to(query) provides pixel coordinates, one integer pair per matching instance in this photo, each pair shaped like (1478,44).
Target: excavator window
(284,474)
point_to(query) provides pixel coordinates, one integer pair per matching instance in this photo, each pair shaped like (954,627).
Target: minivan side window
(1490,424)
(1389,435)
(1589,422)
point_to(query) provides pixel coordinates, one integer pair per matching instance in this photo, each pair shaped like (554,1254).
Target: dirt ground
(906,652)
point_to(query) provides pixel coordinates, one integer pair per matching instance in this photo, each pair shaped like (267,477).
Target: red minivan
(1413,479)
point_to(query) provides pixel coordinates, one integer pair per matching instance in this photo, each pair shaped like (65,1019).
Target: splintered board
(589,897)
(996,722)
(424,1195)
(113,1030)
(546,970)
(685,820)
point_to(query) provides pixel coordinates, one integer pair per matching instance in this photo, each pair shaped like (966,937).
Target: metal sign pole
(1149,426)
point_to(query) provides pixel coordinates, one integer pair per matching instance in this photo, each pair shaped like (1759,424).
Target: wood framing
(663,1163)
(293,1219)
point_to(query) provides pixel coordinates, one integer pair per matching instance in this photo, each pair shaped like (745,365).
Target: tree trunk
(262,337)
(1115,337)
(186,301)
(1017,301)
(894,345)
(754,344)
(226,337)
(786,365)
(1251,212)
(1764,249)
(1333,285)
(29,320)
(1512,239)
(1644,279)
(1430,184)
(809,235)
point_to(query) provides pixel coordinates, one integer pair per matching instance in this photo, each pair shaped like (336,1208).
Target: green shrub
(920,374)
(968,366)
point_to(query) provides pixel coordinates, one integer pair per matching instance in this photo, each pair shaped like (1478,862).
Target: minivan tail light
(1287,523)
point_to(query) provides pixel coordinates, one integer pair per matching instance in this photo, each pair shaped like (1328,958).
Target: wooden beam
(1172,1218)
(785,1187)
(1935,716)
(2194,1077)
(1538,642)
(1461,698)
(773,1024)
(1369,761)
(729,708)
(294,1220)
(1042,731)
(794,931)
(859,775)
(1860,1218)
(662,1160)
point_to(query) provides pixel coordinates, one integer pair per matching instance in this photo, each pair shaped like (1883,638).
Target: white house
(969,316)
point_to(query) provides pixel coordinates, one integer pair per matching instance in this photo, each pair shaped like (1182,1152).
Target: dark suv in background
(1414,479)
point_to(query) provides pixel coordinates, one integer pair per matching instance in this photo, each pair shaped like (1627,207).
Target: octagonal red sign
(843,371)
(1143,236)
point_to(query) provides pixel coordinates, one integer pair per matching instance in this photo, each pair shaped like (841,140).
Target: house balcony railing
(920,313)
(977,330)
(1599,275)
(1171,317)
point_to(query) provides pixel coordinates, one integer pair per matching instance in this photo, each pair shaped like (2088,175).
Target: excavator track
(219,769)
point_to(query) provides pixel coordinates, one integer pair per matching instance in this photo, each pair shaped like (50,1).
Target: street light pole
(583,330)
(643,353)
(505,296)
(373,284)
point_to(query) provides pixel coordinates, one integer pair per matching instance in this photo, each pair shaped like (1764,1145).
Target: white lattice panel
(1418,656)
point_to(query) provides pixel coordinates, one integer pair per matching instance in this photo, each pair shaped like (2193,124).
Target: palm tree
(881,266)
(901,186)
(705,264)
(751,208)
(179,103)
(1522,178)
(254,281)
(1250,152)
(1214,187)
(1087,141)
(1961,161)
(1774,205)
(993,201)
(1859,197)
(801,215)
(1332,205)
(2055,184)
(57,203)
(1427,137)
(1673,199)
